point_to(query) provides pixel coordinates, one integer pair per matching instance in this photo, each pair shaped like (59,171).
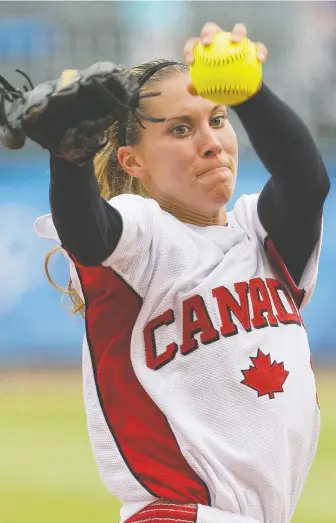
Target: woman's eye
(218,120)
(180,130)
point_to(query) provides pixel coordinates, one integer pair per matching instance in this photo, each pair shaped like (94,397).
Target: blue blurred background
(45,38)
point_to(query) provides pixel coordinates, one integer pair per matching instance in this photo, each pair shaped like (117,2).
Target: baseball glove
(70,116)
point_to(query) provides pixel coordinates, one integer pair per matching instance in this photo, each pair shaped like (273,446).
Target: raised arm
(290,204)
(69,117)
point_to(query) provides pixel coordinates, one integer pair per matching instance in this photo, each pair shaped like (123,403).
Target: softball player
(199,391)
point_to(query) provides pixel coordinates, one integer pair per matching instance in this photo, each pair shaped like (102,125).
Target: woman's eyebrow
(187,116)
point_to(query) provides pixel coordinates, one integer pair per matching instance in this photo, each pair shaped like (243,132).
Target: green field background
(47,472)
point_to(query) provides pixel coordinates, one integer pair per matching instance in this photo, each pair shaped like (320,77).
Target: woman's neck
(186,216)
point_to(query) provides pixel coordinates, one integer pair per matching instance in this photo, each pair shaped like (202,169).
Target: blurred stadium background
(47,472)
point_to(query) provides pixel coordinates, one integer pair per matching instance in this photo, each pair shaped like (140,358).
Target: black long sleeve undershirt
(290,204)
(87,225)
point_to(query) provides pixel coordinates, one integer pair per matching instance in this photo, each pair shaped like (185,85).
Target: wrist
(261,88)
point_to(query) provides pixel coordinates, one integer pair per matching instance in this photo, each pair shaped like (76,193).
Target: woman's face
(191,158)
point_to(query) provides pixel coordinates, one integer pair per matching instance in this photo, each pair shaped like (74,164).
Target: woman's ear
(131,161)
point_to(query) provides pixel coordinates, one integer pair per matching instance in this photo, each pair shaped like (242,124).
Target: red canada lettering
(261,304)
(195,318)
(153,360)
(228,305)
(284,317)
(269,301)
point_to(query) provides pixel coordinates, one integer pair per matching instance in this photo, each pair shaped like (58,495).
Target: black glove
(69,116)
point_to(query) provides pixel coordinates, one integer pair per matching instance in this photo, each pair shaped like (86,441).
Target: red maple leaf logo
(265,377)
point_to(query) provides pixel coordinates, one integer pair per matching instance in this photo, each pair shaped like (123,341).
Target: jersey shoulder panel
(245,216)
(134,256)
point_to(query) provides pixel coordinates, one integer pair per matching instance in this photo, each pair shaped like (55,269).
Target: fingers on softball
(209,30)
(261,51)
(189,48)
(238,32)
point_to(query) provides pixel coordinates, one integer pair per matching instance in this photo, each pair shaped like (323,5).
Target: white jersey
(197,372)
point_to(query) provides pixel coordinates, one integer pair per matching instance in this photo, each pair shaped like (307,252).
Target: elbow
(90,259)
(323,187)
(317,185)
(326,185)
(86,257)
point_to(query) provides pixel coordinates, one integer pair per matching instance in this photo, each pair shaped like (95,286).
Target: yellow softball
(226,72)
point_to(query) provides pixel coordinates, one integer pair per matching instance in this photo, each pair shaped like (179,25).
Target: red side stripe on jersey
(164,512)
(279,265)
(140,430)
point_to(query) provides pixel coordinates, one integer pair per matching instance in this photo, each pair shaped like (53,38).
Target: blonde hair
(113,180)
